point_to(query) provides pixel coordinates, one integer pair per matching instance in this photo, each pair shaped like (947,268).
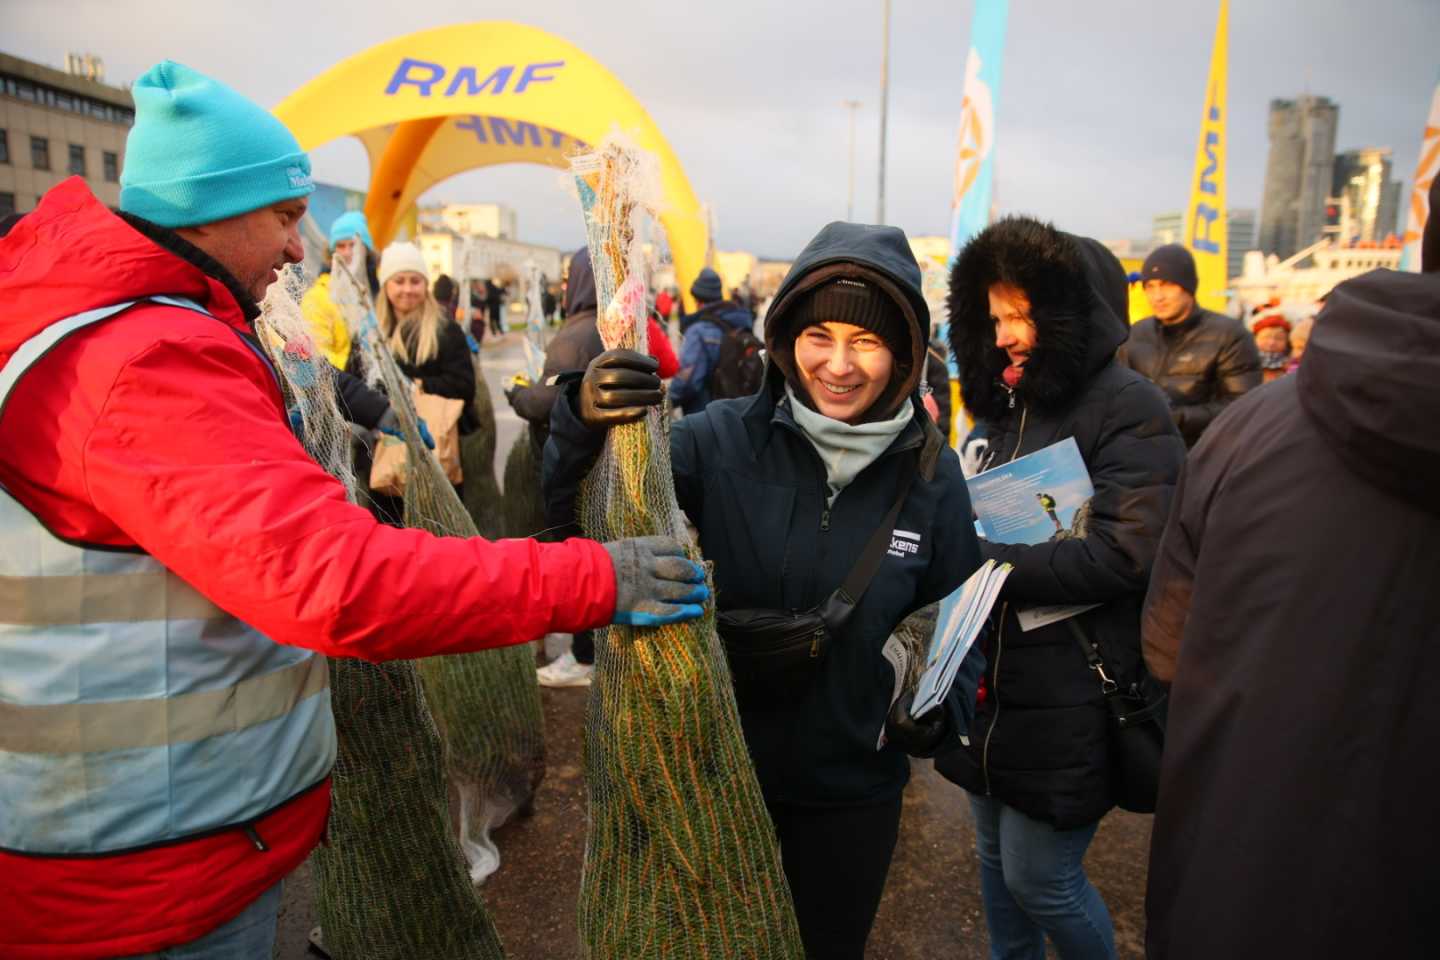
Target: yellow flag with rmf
(1205,225)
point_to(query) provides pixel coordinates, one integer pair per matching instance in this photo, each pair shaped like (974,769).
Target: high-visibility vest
(133,711)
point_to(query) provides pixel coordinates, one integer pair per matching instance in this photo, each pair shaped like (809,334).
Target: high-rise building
(1239,237)
(54,125)
(1298,173)
(1169,227)
(1369,198)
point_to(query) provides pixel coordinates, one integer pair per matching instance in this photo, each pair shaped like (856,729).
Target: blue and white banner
(975,150)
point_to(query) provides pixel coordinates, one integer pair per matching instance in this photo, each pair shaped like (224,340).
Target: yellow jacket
(326,323)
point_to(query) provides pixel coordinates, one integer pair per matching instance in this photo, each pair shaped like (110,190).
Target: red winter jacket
(661,349)
(160,428)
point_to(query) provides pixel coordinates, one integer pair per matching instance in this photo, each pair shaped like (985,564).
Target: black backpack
(740,368)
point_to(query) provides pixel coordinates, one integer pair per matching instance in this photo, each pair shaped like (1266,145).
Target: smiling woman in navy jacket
(786,488)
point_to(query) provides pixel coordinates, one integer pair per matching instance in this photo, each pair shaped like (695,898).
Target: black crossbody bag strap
(840,604)
(1092,657)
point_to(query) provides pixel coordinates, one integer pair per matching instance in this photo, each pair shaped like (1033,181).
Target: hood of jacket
(878,254)
(1370,379)
(726,313)
(71,254)
(580,296)
(1078,301)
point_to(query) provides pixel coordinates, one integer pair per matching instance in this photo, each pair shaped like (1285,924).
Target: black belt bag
(770,650)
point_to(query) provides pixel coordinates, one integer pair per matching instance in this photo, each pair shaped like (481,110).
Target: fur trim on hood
(1078,301)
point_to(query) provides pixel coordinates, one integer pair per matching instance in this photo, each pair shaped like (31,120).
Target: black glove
(618,387)
(919,737)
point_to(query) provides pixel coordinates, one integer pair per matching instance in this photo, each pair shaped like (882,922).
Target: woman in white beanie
(428,346)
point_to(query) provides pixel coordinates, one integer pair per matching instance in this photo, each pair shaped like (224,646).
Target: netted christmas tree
(524,497)
(391,882)
(486,704)
(524,500)
(477,462)
(681,859)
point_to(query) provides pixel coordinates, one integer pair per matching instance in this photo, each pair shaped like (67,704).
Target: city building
(54,125)
(1240,223)
(1369,200)
(1170,228)
(1298,173)
(493,220)
(482,257)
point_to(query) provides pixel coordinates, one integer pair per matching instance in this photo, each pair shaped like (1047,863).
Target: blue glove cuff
(640,618)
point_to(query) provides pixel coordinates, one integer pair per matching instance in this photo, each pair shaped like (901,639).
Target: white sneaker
(565,671)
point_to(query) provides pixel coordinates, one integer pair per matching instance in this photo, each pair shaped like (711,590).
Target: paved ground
(931,907)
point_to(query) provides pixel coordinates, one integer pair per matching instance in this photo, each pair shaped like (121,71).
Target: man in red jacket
(174,569)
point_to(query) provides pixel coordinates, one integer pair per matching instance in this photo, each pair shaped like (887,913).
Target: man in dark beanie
(1203,361)
(1305,655)
(705,331)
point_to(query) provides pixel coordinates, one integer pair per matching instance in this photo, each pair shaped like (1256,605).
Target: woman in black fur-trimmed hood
(1036,317)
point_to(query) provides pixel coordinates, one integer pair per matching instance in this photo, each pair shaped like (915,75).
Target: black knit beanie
(1171,262)
(847,300)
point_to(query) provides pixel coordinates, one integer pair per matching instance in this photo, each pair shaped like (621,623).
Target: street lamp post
(852,106)
(884,110)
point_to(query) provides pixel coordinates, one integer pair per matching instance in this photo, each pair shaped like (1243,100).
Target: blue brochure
(1041,496)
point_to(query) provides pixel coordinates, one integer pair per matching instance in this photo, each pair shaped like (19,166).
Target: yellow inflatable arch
(439,102)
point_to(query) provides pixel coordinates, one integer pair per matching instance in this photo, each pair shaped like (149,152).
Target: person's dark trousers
(836,860)
(583,647)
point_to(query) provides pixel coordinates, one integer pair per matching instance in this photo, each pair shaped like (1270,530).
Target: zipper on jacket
(254,836)
(824,519)
(1000,628)
(815,643)
(995,692)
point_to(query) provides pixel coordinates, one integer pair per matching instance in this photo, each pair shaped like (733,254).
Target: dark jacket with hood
(1204,363)
(1297,585)
(1040,741)
(700,351)
(572,348)
(755,488)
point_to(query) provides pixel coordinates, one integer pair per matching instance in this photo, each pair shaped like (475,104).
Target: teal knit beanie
(349,224)
(200,152)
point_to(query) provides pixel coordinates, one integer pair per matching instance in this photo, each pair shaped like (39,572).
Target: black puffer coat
(1040,741)
(450,373)
(1203,363)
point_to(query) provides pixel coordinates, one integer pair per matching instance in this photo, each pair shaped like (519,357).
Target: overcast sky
(1097,119)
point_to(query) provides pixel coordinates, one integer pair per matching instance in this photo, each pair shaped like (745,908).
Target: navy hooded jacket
(700,351)
(755,488)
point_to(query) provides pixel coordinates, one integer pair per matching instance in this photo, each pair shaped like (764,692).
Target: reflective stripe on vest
(133,711)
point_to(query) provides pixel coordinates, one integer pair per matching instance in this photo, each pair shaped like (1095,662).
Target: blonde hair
(400,330)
